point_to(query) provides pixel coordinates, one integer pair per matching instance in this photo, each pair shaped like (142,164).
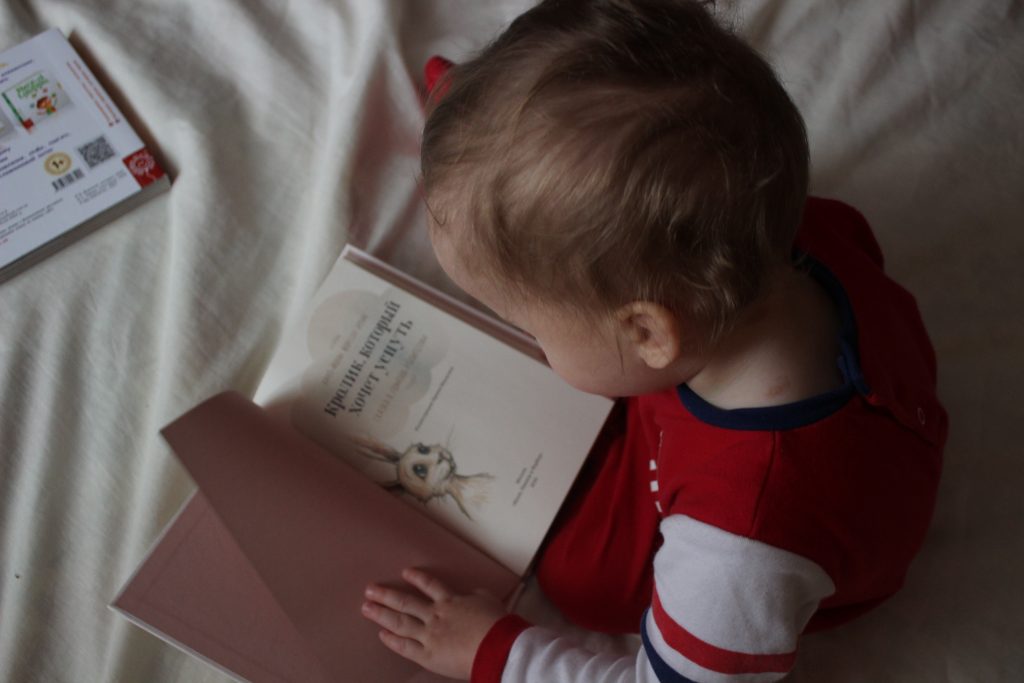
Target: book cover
(69,161)
(35,99)
(394,432)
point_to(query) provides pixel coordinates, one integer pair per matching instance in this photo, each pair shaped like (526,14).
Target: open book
(398,428)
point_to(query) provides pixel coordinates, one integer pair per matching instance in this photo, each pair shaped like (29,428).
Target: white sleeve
(539,655)
(726,609)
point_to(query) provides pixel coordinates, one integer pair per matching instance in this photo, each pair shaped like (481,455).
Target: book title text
(372,363)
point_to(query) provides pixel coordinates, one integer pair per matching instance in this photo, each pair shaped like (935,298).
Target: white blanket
(291,127)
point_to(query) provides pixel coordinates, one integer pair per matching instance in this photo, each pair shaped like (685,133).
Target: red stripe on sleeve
(712,657)
(489,662)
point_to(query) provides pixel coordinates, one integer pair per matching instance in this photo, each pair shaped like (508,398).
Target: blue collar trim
(809,410)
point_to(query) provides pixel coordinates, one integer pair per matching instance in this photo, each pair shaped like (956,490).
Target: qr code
(96,152)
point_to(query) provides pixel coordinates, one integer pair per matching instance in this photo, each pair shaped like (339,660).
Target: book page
(314,531)
(470,431)
(198,591)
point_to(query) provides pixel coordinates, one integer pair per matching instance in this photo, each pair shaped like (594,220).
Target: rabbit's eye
(422,449)
(420,470)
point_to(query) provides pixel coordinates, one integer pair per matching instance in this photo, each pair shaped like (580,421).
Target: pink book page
(315,532)
(198,590)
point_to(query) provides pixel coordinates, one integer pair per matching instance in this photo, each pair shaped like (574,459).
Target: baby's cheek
(579,377)
(562,367)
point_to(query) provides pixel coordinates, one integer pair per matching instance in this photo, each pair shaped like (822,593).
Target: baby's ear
(652,332)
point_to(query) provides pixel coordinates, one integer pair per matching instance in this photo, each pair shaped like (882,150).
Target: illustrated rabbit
(427,472)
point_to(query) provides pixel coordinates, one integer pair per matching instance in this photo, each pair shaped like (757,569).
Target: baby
(626,181)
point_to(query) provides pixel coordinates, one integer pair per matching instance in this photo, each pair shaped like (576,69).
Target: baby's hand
(441,631)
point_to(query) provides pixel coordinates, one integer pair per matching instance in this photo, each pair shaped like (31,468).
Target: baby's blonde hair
(607,151)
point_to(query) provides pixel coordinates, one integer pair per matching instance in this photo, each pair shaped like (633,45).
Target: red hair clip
(435,68)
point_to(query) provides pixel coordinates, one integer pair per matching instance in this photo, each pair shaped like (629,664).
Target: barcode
(77,174)
(96,152)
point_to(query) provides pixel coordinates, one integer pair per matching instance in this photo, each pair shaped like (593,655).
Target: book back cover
(67,154)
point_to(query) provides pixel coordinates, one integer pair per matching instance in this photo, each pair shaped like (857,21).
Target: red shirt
(846,480)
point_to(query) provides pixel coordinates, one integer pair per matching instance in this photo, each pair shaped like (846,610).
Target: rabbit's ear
(375,450)
(474,487)
(456,493)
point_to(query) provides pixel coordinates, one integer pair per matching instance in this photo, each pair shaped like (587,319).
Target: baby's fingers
(400,601)
(397,623)
(432,587)
(407,647)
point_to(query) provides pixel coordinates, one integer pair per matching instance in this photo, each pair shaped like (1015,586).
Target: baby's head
(621,178)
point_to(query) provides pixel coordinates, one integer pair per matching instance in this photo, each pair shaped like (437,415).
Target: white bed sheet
(292,126)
